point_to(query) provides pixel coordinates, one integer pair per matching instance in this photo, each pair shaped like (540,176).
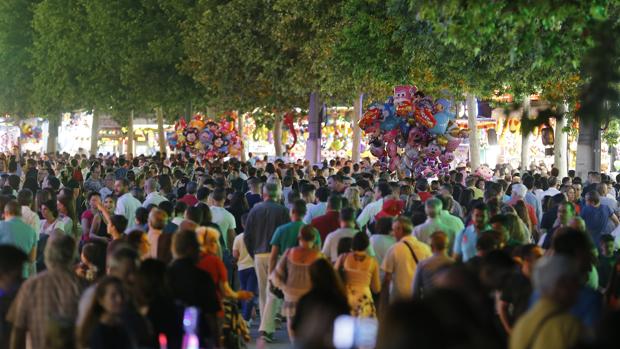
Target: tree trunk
(277,135)
(129,149)
(94,134)
(588,148)
(560,151)
(313,145)
(52,138)
(240,122)
(474,140)
(358,110)
(525,138)
(160,130)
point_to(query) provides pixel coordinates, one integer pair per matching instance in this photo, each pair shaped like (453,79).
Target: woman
(571,196)
(92,262)
(50,222)
(517,234)
(66,210)
(352,194)
(238,207)
(102,326)
(138,240)
(292,273)
(521,211)
(92,227)
(317,310)
(361,274)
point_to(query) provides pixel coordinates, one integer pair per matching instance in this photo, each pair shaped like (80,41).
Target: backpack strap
(415,258)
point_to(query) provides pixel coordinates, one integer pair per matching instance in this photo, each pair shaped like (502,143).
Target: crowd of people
(115,252)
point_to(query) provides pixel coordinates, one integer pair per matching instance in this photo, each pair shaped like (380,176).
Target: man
(422,189)
(94,182)
(552,191)
(530,198)
(12,261)
(548,324)
(566,212)
(153,197)
(426,270)
(437,221)
(50,296)
(190,197)
(224,219)
(328,222)
(372,209)
(156,222)
(347,229)
(13,231)
(335,183)
(308,195)
(603,190)
(25,197)
(465,241)
(193,286)
(108,188)
(254,194)
(515,294)
(518,193)
(318,209)
(261,224)
(606,260)
(126,204)
(455,207)
(402,259)
(471,184)
(599,219)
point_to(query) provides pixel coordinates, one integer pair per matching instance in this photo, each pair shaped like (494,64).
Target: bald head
(151,185)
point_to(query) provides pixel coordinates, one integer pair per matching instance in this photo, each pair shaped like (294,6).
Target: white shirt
(369,212)
(224,219)
(444,222)
(154,198)
(314,210)
(381,244)
(330,246)
(126,206)
(245,261)
(549,192)
(402,265)
(32,219)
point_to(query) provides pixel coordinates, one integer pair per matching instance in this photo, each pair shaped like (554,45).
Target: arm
(614,219)
(417,283)
(384,297)
(273,257)
(228,292)
(375,282)
(248,237)
(502,308)
(230,237)
(86,225)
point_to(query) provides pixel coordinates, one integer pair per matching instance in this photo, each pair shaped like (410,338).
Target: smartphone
(352,332)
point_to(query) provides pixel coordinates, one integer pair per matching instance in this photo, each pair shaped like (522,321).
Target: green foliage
(15,56)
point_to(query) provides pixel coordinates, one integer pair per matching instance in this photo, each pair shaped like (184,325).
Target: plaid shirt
(50,296)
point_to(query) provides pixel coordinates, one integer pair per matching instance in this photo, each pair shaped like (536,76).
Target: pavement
(281,340)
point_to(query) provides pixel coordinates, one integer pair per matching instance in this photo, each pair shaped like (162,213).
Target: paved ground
(281,339)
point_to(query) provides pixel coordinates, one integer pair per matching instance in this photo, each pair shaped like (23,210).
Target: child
(247,275)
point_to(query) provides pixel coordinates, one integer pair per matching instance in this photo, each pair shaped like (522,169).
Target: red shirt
(189,199)
(326,223)
(424,195)
(213,265)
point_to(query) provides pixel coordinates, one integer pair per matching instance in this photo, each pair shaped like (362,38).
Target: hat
(391,208)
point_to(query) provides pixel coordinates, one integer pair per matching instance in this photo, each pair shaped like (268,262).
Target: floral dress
(357,284)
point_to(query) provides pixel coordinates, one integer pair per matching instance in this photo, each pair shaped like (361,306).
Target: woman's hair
(521,211)
(515,229)
(119,222)
(324,279)
(95,253)
(360,242)
(165,183)
(195,214)
(94,312)
(344,245)
(151,282)
(206,213)
(352,194)
(51,206)
(67,200)
(239,202)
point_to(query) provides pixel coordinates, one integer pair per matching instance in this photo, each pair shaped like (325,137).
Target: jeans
(248,282)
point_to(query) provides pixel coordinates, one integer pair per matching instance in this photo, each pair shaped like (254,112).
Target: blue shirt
(465,243)
(19,234)
(597,221)
(587,310)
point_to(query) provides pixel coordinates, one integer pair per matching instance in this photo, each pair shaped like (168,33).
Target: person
(94,182)
(328,222)
(347,229)
(603,190)
(247,275)
(14,231)
(153,197)
(108,186)
(126,204)
(549,322)
(116,225)
(12,261)
(102,326)
(518,194)
(89,226)
(515,294)
(318,209)
(253,196)
(156,223)
(426,270)
(465,241)
(317,310)
(35,308)
(371,210)
(402,259)
(381,240)
(193,286)
(361,277)
(224,219)
(261,224)
(456,209)
(25,199)
(352,194)
(292,274)
(606,260)
(238,207)
(437,220)
(92,262)
(600,219)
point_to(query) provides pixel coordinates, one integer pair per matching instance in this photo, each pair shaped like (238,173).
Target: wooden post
(277,134)
(525,138)
(313,144)
(52,137)
(358,110)
(588,148)
(560,151)
(160,130)
(474,140)
(129,149)
(94,134)
(240,123)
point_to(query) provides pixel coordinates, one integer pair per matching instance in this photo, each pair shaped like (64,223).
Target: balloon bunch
(413,132)
(31,132)
(207,138)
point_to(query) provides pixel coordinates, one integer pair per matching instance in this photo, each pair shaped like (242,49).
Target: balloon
(395,162)
(370,117)
(441,123)
(425,117)
(453,144)
(442,105)
(404,108)
(392,149)
(441,140)
(446,158)
(484,172)
(432,151)
(390,122)
(418,136)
